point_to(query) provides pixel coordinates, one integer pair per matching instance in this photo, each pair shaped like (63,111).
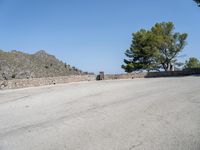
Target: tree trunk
(167,66)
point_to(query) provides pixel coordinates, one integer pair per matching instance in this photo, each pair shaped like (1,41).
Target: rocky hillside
(18,65)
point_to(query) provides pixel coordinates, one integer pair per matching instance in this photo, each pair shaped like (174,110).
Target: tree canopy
(198,2)
(192,63)
(142,52)
(154,49)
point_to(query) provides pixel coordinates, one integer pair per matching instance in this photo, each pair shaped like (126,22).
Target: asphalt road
(138,114)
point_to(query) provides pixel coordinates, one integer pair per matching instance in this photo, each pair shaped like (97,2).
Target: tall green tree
(192,63)
(170,44)
(154,49)
(142,55)
(198,2)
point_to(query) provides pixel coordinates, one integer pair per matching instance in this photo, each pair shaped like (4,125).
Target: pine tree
(192,63)
(198,2)
(154,49)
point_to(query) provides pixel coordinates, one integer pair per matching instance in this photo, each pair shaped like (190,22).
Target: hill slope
(20,65)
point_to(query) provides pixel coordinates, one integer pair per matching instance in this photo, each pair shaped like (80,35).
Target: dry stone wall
(125,76)
(23,83)
(174,73)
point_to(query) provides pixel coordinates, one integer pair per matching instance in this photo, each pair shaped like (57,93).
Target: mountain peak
(19,65)
(41,52)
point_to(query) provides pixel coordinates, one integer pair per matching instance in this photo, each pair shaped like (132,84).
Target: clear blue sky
(91,34)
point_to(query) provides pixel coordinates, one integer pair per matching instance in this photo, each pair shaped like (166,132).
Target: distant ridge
(19,65)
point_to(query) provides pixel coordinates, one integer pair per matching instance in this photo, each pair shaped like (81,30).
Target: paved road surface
(138,114)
